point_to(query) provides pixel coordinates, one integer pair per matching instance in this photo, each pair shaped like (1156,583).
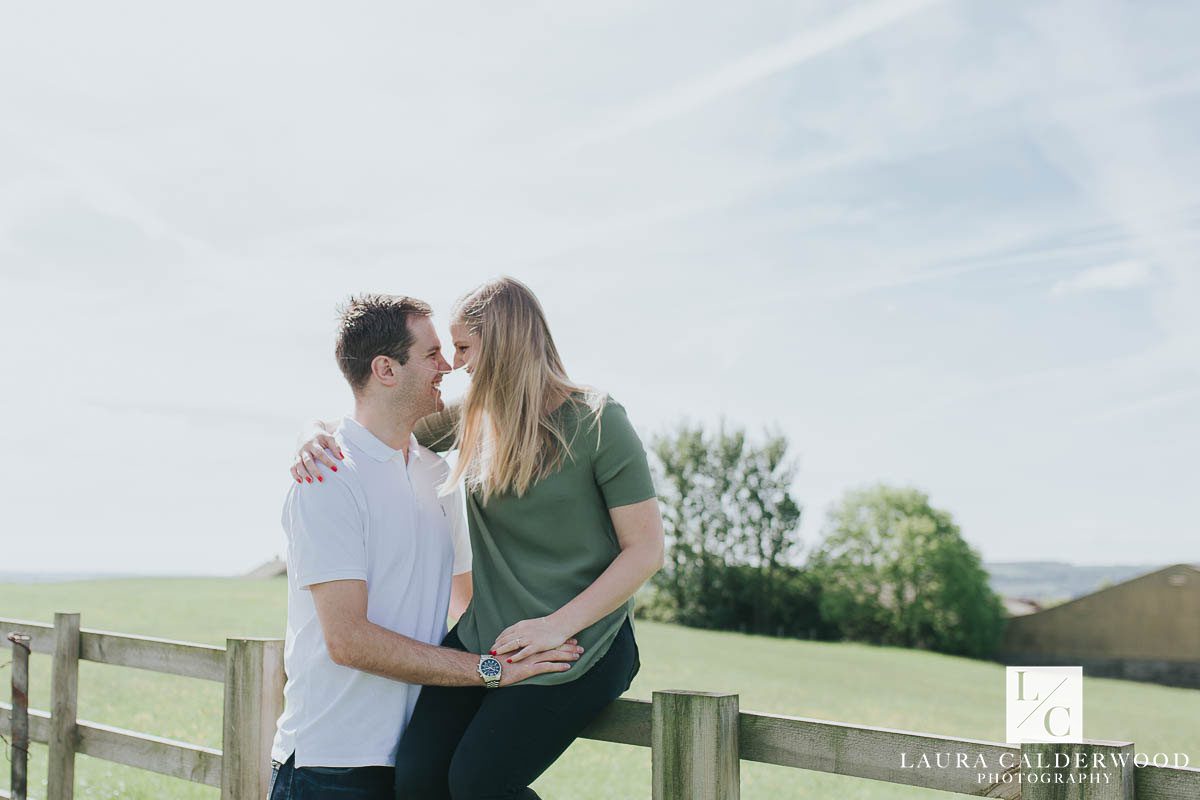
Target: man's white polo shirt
(377,520)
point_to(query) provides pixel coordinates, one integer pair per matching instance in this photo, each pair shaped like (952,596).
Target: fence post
(1093,770)
(694,746)
(64,707)
(19,773)
(253,702)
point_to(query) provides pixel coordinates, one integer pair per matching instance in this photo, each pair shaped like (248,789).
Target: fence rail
(188,659)
(697,740)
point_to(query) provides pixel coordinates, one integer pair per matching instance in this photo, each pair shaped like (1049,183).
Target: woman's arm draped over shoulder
(316,444)
(436,431)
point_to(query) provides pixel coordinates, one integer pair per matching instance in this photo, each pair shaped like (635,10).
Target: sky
(952,245)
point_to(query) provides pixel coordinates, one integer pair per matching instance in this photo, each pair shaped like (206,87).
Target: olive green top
(533,554)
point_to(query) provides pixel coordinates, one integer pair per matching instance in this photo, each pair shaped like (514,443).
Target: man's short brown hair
(371,325)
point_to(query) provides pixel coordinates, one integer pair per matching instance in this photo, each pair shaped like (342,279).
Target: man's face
(418,382)
(466,346)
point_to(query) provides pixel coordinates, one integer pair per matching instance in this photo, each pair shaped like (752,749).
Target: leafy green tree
(732,529)
(895,570)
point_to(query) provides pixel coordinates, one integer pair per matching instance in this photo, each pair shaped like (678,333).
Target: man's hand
(529,637)
(558,659)
(354,641)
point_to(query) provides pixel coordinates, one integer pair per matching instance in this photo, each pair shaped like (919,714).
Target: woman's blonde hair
(507,438)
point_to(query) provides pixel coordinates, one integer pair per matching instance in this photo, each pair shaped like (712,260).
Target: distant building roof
(271,569)
(1020,606)
(1141,629)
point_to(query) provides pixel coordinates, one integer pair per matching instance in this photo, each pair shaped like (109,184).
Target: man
(370,559)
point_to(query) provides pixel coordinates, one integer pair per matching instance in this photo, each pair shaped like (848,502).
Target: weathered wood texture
(64,697)
(257,682)
(157,655)
(41,635)
(18,780)
(876,753)
(1166,783)
(188,659)
(253,702)
(914,759)
(1090,770)
(39,724)
(694,750)
(156,754)
(623,722)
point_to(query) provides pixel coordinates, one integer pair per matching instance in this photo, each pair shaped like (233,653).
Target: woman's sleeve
(620,466)
(437,430)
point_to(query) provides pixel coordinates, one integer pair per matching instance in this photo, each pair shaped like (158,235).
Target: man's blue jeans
(289,782)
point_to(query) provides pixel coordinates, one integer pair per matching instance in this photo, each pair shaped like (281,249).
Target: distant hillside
(1056,580)
(1033,580)
(60,577)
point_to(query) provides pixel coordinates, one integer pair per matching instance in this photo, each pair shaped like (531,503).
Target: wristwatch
(489,671)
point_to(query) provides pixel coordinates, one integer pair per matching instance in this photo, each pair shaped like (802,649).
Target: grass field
(845,682)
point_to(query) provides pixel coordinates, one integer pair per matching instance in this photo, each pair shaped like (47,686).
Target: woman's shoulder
(602,416)
(594,405)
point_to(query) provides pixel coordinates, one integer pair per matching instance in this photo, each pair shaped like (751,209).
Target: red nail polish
(493,652)
(298,480)
(308,479)
(321,478)
(510,661)
(340,455)
(333,468)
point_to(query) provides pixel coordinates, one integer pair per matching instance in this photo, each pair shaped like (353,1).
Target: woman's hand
(320,447)
(529,637)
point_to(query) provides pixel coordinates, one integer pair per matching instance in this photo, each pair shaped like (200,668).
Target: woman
(564,527)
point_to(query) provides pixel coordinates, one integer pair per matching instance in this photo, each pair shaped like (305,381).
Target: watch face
(490,667)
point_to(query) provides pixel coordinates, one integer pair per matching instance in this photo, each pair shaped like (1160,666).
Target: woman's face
(466,346)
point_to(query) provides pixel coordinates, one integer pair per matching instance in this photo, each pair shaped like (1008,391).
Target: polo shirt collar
(373,446)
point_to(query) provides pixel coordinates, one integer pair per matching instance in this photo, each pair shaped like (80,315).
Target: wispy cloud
(846,29)
(1121,276)
(1013,249)
(1126,160)
(1156,403)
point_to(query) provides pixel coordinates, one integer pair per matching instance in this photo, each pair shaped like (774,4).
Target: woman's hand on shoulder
(319,447)
(528,637)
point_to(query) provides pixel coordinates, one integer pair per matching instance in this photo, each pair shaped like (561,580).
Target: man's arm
(354,641)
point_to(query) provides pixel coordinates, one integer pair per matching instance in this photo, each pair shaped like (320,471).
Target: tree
(895,570)
(731,525)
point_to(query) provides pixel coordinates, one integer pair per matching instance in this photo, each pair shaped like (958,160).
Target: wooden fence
(697,740)
(250,669)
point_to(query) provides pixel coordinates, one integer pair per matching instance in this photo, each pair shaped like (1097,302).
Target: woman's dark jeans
(472,743)
(289,782)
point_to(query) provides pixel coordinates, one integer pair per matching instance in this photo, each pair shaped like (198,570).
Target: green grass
(846,682)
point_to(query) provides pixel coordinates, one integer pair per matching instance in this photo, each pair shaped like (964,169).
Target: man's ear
(381,368)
